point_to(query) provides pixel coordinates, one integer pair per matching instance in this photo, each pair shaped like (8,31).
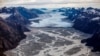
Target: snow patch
(96,18)
(4,15)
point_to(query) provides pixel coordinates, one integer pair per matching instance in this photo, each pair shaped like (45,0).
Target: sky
(47,1)
(52,3)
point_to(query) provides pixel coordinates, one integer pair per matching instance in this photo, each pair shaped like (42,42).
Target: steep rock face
(36,11)
(7,10)
(84,19)
(86,25)
(28,14)
(94,41)
(18,19)
(72,13)
(9,36)
(89,22)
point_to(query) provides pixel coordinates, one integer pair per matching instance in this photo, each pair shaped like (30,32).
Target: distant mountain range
(12,28)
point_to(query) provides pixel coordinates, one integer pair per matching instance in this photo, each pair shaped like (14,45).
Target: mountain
(94,41)
(36,11)
(7,10)
(93,26)
(84,19)
(23,11)
(86,25)
(9,36)
(26,13)
(17,18)
(19,15)
(87,21)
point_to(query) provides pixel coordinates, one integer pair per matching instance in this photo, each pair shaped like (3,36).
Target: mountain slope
(10,35)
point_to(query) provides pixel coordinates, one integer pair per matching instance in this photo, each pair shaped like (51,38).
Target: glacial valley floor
(52,42)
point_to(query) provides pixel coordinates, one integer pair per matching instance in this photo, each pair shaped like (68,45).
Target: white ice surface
(51,19)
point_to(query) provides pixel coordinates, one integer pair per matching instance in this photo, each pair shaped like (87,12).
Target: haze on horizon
(51,3)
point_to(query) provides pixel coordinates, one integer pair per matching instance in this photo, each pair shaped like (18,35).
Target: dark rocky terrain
(9,36)
(94,41)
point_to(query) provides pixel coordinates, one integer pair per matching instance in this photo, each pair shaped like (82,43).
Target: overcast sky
(48,1)
(53,3)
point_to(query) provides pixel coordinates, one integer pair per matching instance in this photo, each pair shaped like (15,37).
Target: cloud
(80,1)
(94,5)
(51,3)
(57,0)
(63,1)
(18,1)
(46,1)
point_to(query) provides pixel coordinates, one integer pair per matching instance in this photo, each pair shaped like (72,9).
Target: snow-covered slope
(4,15)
